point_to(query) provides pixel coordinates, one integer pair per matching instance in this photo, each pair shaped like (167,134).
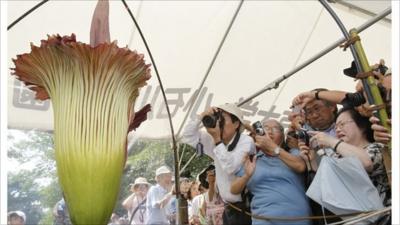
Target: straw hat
(140,180)
(17,213)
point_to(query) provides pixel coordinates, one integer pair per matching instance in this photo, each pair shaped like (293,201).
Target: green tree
(33,185)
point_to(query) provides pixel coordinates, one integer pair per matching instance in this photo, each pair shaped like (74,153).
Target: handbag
(342,186)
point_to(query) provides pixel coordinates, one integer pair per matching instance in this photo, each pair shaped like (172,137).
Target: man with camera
(225,143)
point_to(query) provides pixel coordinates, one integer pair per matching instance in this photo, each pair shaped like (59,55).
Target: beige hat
(140,180)
(232,109)
(163,170)
(17,213)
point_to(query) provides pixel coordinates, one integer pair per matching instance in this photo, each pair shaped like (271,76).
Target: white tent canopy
(267,39)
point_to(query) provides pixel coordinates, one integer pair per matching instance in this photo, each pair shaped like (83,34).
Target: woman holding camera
(354,137)
(274,177)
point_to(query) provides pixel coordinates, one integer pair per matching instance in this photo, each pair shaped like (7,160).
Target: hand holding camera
(258,128)
(321,140)
(210,176)
(212,120)
(265,143)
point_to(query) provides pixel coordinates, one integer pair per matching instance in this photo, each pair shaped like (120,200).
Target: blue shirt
(278,191)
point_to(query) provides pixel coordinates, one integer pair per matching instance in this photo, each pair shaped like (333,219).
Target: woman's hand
(381,134)
(265,143)
(249,165)
(322,140)
(211,177)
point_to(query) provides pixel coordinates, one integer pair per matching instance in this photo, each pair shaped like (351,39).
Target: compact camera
(300,134)
(258,128)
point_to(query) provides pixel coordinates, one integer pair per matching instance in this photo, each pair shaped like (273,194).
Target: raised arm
(244,175)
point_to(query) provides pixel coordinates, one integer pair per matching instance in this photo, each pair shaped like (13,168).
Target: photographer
(354,137)
(274,177)
(135,203)
(383,78)
(225,143)
(61,214)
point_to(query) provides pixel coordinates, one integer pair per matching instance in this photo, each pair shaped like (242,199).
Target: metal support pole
(376,100)
(275,83)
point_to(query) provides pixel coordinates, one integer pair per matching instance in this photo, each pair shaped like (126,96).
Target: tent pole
(26,14)
(275,84)
(381,113)
(370,87)
(182,203)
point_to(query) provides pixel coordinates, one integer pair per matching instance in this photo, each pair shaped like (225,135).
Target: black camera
(381,69)
(258,128)
(210,121)
(300,134)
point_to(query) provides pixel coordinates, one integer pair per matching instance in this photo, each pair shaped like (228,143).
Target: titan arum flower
(93,91)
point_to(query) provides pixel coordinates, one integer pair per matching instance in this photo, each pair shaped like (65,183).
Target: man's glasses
(272,129)
(312,111)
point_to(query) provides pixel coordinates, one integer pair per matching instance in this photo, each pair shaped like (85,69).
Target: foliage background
(32,176)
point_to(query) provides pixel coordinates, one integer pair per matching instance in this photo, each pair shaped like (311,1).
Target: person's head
(164,176)
(185,184)
(193,190)
(320,114)
(141,186)
(204,175)
(16,218)
(114,217)
(233,120)
(274,130)
(351,127)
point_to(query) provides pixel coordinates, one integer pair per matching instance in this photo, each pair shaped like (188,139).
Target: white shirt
(155,214)
(140,215)
(196,205)
(226,163)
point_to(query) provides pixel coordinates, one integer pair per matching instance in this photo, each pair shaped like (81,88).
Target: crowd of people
(263,174)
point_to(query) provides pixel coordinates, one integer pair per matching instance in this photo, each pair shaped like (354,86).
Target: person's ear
(237,125)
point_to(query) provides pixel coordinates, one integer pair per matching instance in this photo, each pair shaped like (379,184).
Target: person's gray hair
(277,122)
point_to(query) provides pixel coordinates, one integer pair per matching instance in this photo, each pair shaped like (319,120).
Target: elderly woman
(274,177)
(354,137)
(135,203)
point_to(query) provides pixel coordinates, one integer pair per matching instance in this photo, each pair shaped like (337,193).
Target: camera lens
(209,121)
(258,128)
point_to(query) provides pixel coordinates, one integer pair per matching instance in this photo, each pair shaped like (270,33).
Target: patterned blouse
(378,175)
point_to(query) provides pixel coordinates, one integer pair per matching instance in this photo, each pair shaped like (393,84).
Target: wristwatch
(277,150)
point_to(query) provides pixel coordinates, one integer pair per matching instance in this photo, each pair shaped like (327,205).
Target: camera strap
(234,142)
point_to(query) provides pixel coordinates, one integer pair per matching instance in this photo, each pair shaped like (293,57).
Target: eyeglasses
(273,129)
(314,110)
(340,125)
